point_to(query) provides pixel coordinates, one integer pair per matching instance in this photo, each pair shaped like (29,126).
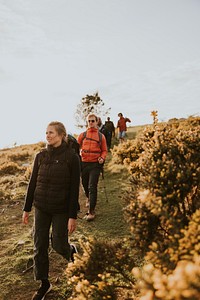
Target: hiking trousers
(90,177)
(59,240)
(109,139)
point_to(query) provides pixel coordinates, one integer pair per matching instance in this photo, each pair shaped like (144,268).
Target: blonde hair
(92,115)
(60,128)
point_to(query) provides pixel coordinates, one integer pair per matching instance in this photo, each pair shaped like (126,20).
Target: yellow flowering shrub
(163,207)
(163,211)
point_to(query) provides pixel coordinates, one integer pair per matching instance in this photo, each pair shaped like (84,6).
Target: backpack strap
(85,137)
(100,138)
(99,141)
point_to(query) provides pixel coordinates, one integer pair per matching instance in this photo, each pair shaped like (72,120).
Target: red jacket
(121,124)
(91,147)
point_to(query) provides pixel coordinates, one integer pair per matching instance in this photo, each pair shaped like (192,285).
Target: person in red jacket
(93,151)
(121,125)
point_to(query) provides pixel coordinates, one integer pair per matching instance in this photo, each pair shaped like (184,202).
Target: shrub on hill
(163,203)
(15,170)
(10,168)
(102,270)
(19,156)
(163,211)
(182,284)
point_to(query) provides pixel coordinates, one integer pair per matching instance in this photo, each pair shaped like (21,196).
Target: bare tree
(90,104)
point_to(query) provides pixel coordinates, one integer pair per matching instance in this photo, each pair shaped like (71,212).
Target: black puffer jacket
(54,183)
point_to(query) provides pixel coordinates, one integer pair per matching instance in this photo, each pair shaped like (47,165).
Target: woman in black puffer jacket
(53,190)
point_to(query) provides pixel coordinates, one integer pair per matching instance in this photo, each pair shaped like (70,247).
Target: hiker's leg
(109,137)
(42,225)
(85,179)
(93,183)
(123,135)
(59,235)
(120,137)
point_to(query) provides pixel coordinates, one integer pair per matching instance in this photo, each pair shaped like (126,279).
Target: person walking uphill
(121,125)
(93,154)
(110,129)
(53,190)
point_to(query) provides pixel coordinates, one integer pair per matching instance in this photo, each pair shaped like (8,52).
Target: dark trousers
(109,139)
(59,239)
(90,178)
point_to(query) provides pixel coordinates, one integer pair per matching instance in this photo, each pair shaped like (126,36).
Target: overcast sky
(140,55)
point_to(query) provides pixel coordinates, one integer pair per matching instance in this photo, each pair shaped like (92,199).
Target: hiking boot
(89,216)
(43,290)
(85,217)
(73,251)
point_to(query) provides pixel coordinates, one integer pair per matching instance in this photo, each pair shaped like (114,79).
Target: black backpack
(104,130)
(72,142)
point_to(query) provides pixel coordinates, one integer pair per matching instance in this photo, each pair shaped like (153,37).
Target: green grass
(109,222)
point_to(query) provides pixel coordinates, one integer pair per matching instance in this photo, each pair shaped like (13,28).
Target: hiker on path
(102,127)
(53,190)
(110,129)
(93,154)
(121,125)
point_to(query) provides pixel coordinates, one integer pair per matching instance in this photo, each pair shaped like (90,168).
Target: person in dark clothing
(101,127)
(53,190)
(110,132)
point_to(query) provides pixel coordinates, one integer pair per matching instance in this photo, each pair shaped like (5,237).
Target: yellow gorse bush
(163,206)
(163,211)
(161,259)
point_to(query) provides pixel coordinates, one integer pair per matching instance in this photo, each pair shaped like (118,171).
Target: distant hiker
(121,125)
(53,190)
(110,130)
(101,127)
(93,154)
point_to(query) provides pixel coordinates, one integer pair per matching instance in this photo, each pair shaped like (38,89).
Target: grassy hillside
(16,279)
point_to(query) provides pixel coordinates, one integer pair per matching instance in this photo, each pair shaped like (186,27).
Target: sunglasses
(91,121)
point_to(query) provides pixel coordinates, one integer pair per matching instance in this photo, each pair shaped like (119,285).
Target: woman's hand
(25,217)
(71,225)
